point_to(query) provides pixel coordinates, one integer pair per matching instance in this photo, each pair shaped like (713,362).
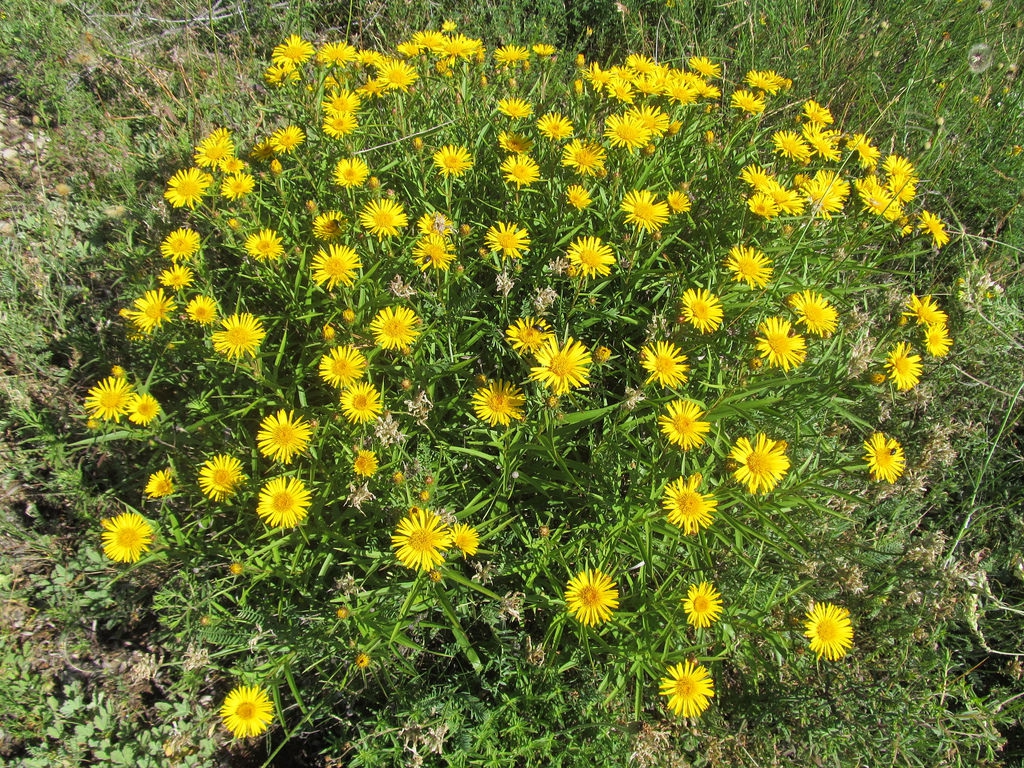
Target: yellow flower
(395,328)
(528,334)
(341,101)
(626,131)
(434,251)
(498,402)
(465,538)
(903,367)
(283,502)
(829,630)
(452,160)
(884,457)
(396,75)
(282,435)
(350,172)
(242,335)
(142,409)
(287,139)
(336,264)
(247,711)
(336,54)
(751,103)
(219,476)
(110,399)
(265,245)
(678,201)
(177,277)
(665,362)
(591,256)
(510,239)
(421,539)
(778,345)
(151,310)
(180,244)
(936,340)
(555,126)
(763,205)
(749,265)
(702,310)
(790,144)
(682,426)
(515,142)
(562,368)
(126,537)
(383,218)
(215,148)
(237,186)
(925,310)
(521,170)
(686,507)
(328,225)
(867,153)
(292,51)
(817,113)
(644,210)
(705,66)
(160,484)
(342,366)
(703,604)
(814,311)
(689,689)
(762,465)
(584,157)
(591,597)
(652,118)
(365,463)
(360,403)
(515,108)
(826,192)
(202,310)
(769,81)
(577,197)
(186,188)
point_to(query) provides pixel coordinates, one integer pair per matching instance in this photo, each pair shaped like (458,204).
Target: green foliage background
(89,677)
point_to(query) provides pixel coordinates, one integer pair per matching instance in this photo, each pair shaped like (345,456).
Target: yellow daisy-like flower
(591,597)
(705,66)
(395,328)
(231,165)
(365,463)
(528,334)
(335,264)
(465,538)
(283,502)
(761,465)
(342,366)
(903,367)
(285,140)
(350,172)
(521,170)
(689,689)
(867,153)
(815,313)
(925,310)
(180,244)
(361,403)
(383,218)
(187,187)
(577,197)
(627,131)
(678,201)
(584,157)
(159,484)
(591,256)
(151,310)
(177,277)
(791,144)
(686,507)
(433,251)
(247,711)
(826,192)
(434,223)
(936,340)
(126,537)
(682,424)
(749,265)
(110,399)
(763,205)
(336,54)
(644,210)
(202,310)
(829,630)
(142,409)
(703,604)
(242,335)
(779,345)
(215,148)
(421,539)
(292,51)
(768,81)
(511,239)
(265,245)
(509,55)
(702,309)
(555,126)
(397,75)
(652,118)
(817,113)
(220,476)
(515,108)
(746,101)
(341,101)
(515,142)
(282,435)
(665,362)
(562,368)
(237,185)
(498,402)
(452,160)
(328,225)
(884,457)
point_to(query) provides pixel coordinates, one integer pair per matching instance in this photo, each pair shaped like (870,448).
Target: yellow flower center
(360,403)
(682,423)
(221,477)
(828,631)
(589,596)
(685,688)
(701,604)
(758,463)
(560,366)
(688,503)
(246,711)
(129,538)
(283,502)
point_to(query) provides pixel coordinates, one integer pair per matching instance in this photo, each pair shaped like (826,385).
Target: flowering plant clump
(452,330)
